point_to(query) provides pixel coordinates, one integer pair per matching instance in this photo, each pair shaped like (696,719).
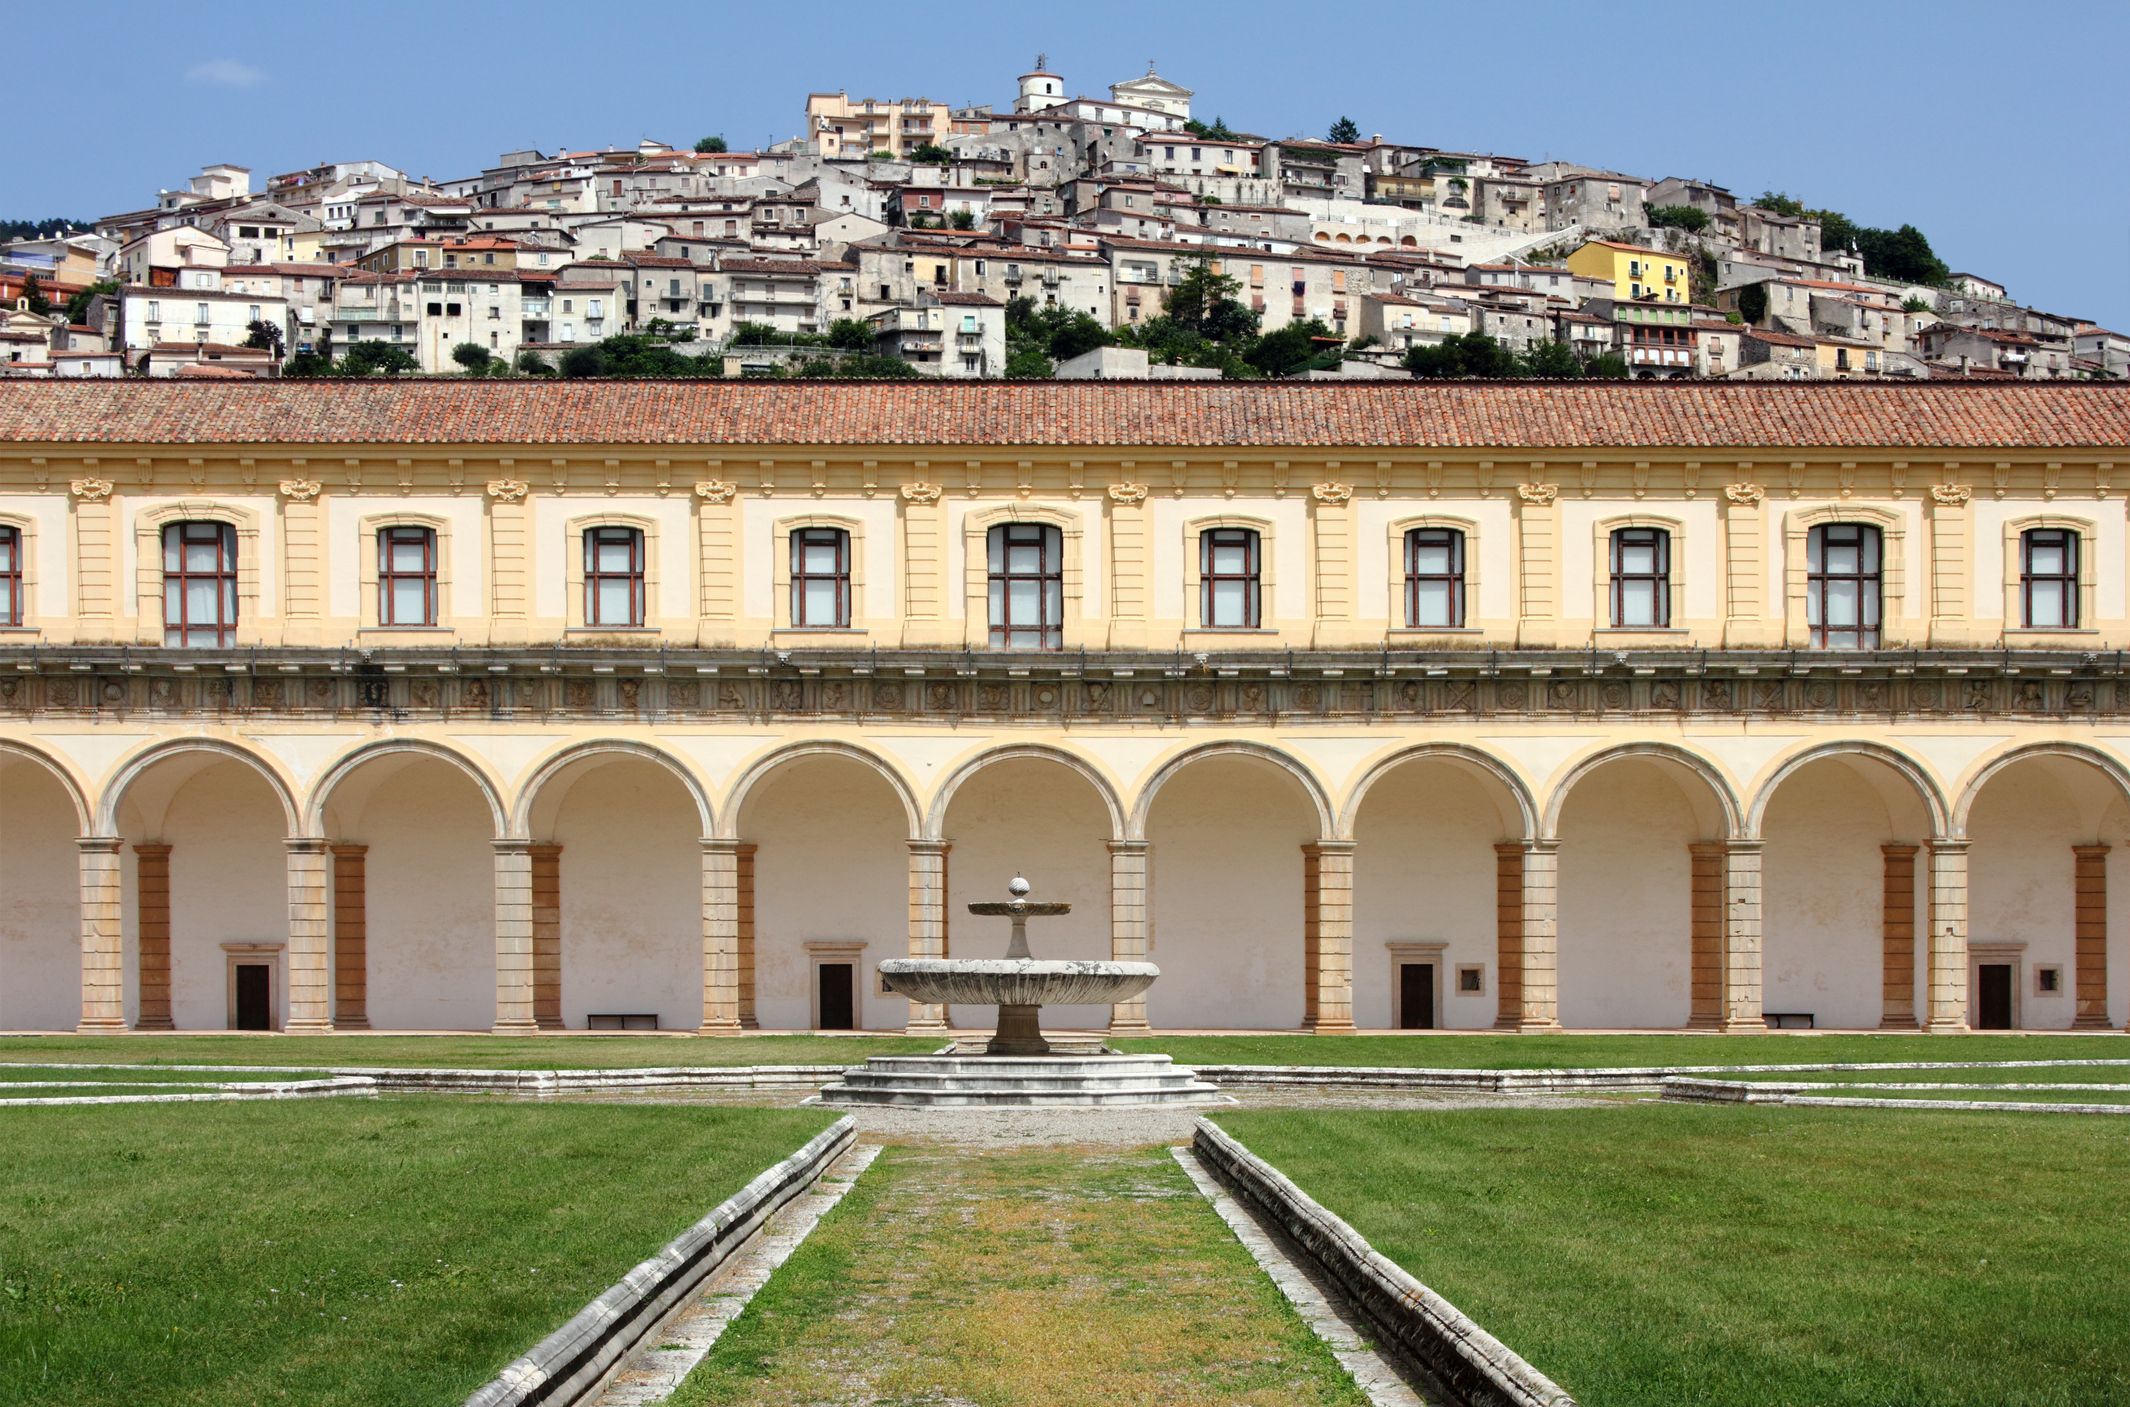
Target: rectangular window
(11,603)
(613,577)
(406,576)
(1228,579)
(1641,578)
(199,584)
(821,578)
(1842,586)
(1434,579)
(2048,578)
(1027,586)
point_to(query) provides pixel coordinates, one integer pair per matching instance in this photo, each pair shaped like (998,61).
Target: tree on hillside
(1753,303)
(78,305)
(1551,361)
(474,357)
(1678,217)
(1781,203)
(1344,130)
(1293,348)
(706,145)
(375,359)
(33,291)
(932,154)
(263,335)
(1472,356)
(1205,303)
(851,335)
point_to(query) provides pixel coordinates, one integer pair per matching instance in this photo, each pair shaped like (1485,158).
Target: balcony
(1679,357)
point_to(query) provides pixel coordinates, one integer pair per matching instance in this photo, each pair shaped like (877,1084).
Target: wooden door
(836,1004)
(1416,996)
(255,1002)
(1993,996)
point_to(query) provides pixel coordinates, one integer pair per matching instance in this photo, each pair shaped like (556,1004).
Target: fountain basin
(1024,982)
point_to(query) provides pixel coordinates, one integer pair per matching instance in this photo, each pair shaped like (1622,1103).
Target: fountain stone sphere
(1019,984)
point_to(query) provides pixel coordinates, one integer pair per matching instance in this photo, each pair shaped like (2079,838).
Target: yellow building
(843,127)
(1636,274)
(507,705)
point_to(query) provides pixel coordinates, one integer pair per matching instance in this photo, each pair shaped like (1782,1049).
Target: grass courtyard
(393,1251)
(1659,1254)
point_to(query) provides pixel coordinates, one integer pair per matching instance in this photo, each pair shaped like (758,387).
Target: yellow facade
(1636,274)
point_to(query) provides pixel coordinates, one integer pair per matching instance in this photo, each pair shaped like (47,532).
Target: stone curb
(534,1082)
(1471,1362)
(1620,1078)
(337,1087)
(1683,1091)
(571,1364)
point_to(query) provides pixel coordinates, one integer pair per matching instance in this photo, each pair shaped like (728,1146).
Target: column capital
(1949,845)
(100,844)
(545,848)
(1330,847)
(343,848)
(1898,850)
(151,847)
(512,846)
(305,844)
(929,847)
(2099,847)
(1130,847)
(1745,847)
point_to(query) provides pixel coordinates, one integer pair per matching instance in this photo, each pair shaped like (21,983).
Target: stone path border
(1616,1078)
(570,1365)
(657,1370)
(1679,1090)
(537,1083)
(337,1087)
(1473,1365)
(1310,1292)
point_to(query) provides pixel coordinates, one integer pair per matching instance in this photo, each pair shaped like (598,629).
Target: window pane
(1637,558)
(1229,604)
(1230,558)
(409,603)
(1022,604)
(997,552)
(1868,548)
(615,556)
(1433,604)
(819,558)
(1053,603)
(1432,559)
(615,601)
(2047,598)
(1638,603)
(409,556)
(202,600)
(1842,601)
(1024,559)
(820,603)
(203,556)
(998,603)
(7,552)
(2045,555)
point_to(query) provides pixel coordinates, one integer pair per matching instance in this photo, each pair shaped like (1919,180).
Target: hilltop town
(1074,236)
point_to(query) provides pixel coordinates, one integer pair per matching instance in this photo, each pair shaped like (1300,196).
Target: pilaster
(1705,1008)
(1951,559)
(1508,935)
(510,574)
(351,937)
(546,865)
(928,925)
(1538,568)
(103,957)
(1327,936)
(1129,567)
(95,566)
(1948,935)
(514,939)
(1331,525)
(1746,621)
(310,958)
(924,567)
(1540,960)
(1897,940)
(721,938)
(303,570)
(151,889)
(1128,927)
(2090,951)
(1742,977)
(719,554)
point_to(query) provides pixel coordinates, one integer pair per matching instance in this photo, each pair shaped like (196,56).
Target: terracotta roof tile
(1505,415)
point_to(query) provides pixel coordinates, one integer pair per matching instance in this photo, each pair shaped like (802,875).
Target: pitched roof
(2038,415)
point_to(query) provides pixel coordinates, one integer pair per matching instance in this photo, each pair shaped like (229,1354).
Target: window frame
(999,579)
(387,577)
(2068,581)
(592,536)
(1869,636)
(1210,541)
(1455,580)
(177,582)
(14,577)
(1659,578)
(799,538)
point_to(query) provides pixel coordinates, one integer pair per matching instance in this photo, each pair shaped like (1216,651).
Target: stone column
(103,949)
(351,937)
(1705,960)
(1743,1011)
(1897,930)
(151,887)
(546,873)
(2090,954)
(744,935)
(928,925)
(1541,936)
(1948,935)
(1508,935)
(721,938)
(310,958)
(514,939)
(1129,919)
(1327,936)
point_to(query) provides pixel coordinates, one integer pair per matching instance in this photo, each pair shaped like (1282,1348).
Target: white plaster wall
(40,902)
(765,549)
(429,898)
(1823,890)
(268,511)
(2020,874)
(1094,551)
(831,864)
(1226,839)
(1036,819)
(554,543)
(2104,545)
(632,920)
(228,884)
(1291,538)
(1424,872)
(1626,902)
(1696,568)
(48,519)
(1379,567)
(468,548)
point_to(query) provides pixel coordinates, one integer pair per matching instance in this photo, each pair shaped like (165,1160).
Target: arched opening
(1226,872)
(411,862)
(2045,902)
(617,895)
(205,894)
(829,870)
(1032,816)
(40,916)
(1639,834)
(1426,895)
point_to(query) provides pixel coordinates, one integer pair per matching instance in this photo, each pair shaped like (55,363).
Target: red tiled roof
(1499,415)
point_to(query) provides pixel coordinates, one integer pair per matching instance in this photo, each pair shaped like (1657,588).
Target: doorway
(834,999)
(1993,996)
(1416,996)
(255,997)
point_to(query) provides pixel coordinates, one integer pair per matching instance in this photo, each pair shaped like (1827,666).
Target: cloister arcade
(427,883)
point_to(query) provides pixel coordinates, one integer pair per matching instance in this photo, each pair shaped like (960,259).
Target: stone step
(860,1079)
(1011,1066)
(1192,1092)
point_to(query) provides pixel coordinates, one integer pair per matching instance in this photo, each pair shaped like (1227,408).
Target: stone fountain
(1018,1066)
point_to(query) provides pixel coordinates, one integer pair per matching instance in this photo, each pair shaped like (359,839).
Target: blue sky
(1997,129)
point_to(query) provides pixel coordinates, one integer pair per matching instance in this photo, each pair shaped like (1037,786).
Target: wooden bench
(621,1021)
(1788,1020)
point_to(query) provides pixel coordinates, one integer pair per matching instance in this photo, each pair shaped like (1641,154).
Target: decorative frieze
(90,490)
(716,490)
(921,492)
(301,490)
(507,490)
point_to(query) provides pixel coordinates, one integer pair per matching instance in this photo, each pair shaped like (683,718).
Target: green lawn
(390,1252)
(1716,1255)
(1478,1050)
